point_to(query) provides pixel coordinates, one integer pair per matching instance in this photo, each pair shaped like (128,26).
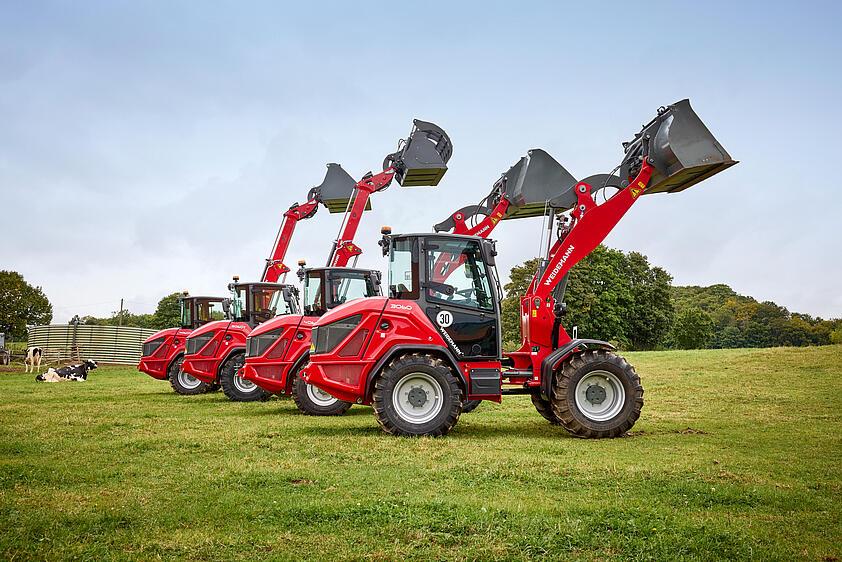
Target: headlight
(326,338)
(151,347)
(193,345)
(257,345)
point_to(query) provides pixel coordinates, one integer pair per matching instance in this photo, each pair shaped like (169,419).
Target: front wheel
(417,395)
(314,401)
(185,383)
(469,406)
(237,388)
(597,394)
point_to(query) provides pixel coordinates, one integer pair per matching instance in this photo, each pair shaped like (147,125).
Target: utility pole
(120,317)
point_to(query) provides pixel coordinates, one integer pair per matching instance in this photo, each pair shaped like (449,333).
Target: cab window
(457,274)
(347,286)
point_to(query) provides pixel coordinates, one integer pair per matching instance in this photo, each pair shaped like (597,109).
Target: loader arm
(344,249)
(275,267)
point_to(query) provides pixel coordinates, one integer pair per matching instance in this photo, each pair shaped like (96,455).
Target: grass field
(737,455)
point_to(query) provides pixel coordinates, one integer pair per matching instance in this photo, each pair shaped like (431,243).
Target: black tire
(616,371)
(183,383)
(215,387)
(422,367)
(469,406)
(236,388)
(310,402)
(545,408)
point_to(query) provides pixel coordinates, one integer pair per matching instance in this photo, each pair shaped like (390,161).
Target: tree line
(619,297)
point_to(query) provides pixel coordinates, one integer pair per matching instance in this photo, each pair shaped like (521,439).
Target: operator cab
(197,311)
(254,303)
(454,280)
(326,288)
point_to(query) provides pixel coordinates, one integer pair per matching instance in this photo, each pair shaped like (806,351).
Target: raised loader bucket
(422,159)
(536,179)
(336,189)
(682,150)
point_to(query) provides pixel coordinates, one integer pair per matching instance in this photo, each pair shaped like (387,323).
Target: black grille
(151,347)
(257,345)
(326,338)
(193,345)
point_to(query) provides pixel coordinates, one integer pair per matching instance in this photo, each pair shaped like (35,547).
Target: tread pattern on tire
(563,408)
(226,381)
(393,370)
(299,390)
(172,375)
(545,408)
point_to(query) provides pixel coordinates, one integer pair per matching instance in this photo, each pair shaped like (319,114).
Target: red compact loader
(277,349)
(435,341)
(250,304)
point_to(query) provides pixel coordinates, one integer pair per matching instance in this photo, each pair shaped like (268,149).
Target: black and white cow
(33,358)
(77,373)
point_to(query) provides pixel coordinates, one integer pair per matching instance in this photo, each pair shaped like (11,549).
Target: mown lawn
(737,455)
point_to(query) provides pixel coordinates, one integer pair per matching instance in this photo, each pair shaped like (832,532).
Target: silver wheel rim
(418,398)
(600,396)
(188,381)
(320,397)
(244,385)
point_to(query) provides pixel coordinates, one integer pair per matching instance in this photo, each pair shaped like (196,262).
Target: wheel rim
(244,385)
(188,381)
(600,395)
(418,398)
(320,397)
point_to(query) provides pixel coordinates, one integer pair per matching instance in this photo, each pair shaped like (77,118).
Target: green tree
(692,329)
(651,313)
(21,304)
(836,336)
(168,313)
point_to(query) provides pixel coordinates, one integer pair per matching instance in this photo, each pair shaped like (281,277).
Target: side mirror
(489,251)
(226,307)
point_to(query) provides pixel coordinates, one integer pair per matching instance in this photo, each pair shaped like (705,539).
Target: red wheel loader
(276,350)
(434,342)
(164,352)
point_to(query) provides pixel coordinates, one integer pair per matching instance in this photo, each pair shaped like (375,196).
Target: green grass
(737,456)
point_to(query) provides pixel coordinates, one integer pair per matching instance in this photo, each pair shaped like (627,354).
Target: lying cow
(33,359)
(76,373)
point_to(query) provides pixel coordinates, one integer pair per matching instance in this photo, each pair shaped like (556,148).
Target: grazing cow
(33,358)
(76,373)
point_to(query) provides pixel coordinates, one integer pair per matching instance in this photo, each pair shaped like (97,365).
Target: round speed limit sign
(444,318)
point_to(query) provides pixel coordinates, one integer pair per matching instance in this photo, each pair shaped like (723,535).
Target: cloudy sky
(147,147)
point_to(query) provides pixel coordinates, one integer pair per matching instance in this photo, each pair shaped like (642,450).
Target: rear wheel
(469,406)
(185,383)
(314,401)
(597,394)
(237,388)
(545,408)
(417,395)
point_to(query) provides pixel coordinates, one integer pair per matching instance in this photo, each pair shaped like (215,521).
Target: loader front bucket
(531,183)
(422,158)
(680,147)
(336,190)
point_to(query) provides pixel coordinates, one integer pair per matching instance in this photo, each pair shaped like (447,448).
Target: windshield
(457,274)
(402,272)
(268,302)
(313,293)
(186,313)
(344,286)
(208,311)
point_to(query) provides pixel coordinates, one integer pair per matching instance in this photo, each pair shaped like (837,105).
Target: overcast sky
(147,147)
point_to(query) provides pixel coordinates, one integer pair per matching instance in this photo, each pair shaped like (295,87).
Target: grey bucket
(422,159)
(536,179)
(681,148)
(336,190)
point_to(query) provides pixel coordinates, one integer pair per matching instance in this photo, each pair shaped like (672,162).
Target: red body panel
(228,337)
(158,363)
(270,371)
(345,374)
